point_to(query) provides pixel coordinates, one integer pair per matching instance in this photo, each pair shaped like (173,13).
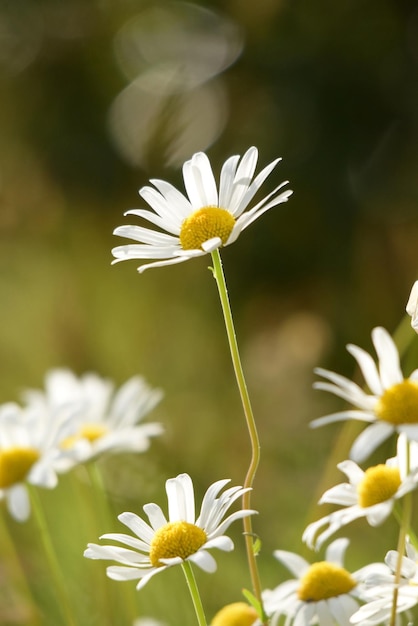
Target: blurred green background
(99,96)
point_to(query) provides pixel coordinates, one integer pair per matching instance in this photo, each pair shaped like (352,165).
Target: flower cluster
(72,421)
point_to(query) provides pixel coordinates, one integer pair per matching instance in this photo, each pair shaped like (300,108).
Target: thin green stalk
(252,429)
(52,559)
(11,556)
(194,592)
(403,532)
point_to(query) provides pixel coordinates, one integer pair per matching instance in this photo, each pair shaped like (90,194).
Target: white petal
(204,560)
(336,550)
(226,181)
(389,364)
(18,502)
(324,615)
(144,251)
(294,562)
(369,440)
(116,572)
(223,543)
(199,181)
(155,515)
(175,200)
(368,368)
(137,526)
(181,504)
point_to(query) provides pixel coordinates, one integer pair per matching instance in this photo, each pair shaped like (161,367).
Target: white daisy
(28,454)
(380,582)
(322,593)
(371,494)
(392,405)
(412,306)
(203,220)
(103,419)
(163,543)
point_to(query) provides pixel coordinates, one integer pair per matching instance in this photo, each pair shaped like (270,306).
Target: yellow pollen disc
(15,463)
(399,404)
(324,580)
(235,614)
(379,484)
(87,431)
(204,224)
(176,539)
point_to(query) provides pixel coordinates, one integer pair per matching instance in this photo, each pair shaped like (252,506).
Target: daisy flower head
(371,494)
(412,306)
(390,406)
(104,419)
(182,537)
(205,218)
(380,585)
(28,455)
(321,593)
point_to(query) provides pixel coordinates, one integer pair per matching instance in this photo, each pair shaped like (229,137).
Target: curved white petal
(204,560)
(180,494)
(137,526)
(389,363)
(336,550)
(294,563)
(369,440)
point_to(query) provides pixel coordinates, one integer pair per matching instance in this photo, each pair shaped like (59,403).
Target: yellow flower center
(204,224)
(87,431)
(15,463)
(379,484)
(324,580)
(399,404)
(176,539)
(235,614)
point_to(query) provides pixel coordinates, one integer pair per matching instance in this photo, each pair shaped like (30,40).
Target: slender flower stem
(219,276)
(52,559)
(194,592)
(403,532)
(406,519)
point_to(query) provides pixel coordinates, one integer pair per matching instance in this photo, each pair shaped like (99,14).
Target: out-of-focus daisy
(371,494)
(236,614)
(392,405)
(380,582)
(103,419)
(28,455)
(412,306)
(322,593)
(203,220)
(166,542)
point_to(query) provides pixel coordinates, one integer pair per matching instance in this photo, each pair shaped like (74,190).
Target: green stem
(405,524)
(194,592)
(52,559)
(252,429)
(403,532)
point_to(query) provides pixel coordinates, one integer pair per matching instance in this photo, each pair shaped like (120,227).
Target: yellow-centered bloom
(103,419)
(371,493)
(206,218)
(392,404)
(321,593)
(28,454)
(166,542)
